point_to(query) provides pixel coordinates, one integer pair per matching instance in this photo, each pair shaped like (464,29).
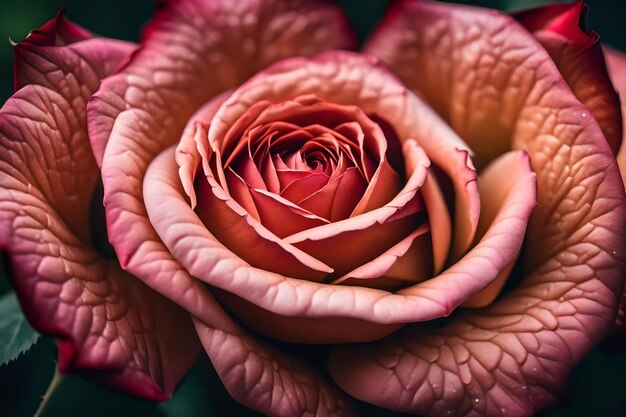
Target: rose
(511,357)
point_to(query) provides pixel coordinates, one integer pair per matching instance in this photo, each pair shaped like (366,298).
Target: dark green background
(597,387)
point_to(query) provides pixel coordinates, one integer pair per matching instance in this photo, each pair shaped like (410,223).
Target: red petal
(281,216)
(408,261)
(568,20)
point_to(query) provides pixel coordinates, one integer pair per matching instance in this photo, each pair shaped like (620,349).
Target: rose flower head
(441,212)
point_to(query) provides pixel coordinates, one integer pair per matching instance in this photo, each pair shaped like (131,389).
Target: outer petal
(616,62)
(191,51)
(108,324)
(266,379)
(512,358)
(560,28)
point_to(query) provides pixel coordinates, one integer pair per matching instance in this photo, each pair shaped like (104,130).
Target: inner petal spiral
(329,160)
(312,179)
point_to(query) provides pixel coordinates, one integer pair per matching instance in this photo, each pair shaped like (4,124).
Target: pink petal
(560,28)
(514,356)
(316,330)
(495,183)
(266,379)
(194,136)
(108,325)
(191,51)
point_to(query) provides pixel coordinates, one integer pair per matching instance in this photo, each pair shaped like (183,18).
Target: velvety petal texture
(266,379)
(192,50)
(616,62)
(576,51)
(499,89)
(376,91)
(461,169)
(108,324)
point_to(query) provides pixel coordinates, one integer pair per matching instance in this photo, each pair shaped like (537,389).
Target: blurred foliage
(596,387)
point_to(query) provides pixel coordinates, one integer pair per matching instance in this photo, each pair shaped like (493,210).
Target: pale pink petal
(187,153)
(560,28)
(316,330)
(514,356)
(109,325)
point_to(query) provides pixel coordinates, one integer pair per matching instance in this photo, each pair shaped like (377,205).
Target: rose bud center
(313,180)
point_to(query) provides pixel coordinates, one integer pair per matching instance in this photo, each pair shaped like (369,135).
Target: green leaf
(16,335)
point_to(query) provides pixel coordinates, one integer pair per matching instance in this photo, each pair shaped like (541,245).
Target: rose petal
(616,63)
(409,261)
(338,197)
(108,325)
(560,28)
(281,216)
(266,379)
(495,183)
(512,357)
(191,51)
(187,153)
(439,220)
(350,243)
